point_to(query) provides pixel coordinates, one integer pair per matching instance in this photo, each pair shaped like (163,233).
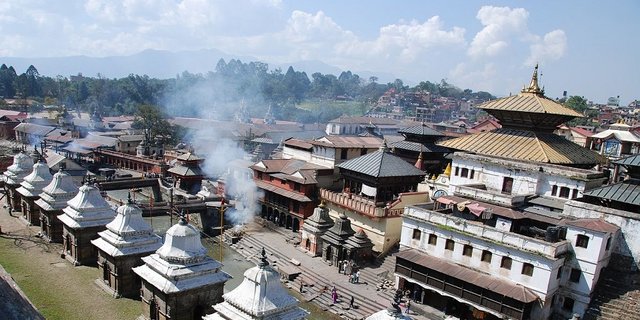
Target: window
(296,186)
(507,184)
(343,153)
(486,256)
(574,193)
(296,207)
(527,269)
(608,245)
(433,239)
(465,172)
(568,304)
(259,175)
(416,234)
(506,263)
(467,250)
(473,173)
(564,192)
(457,173)
(363,151)
(575,275)
(554,190)
(582,241)
(449,245)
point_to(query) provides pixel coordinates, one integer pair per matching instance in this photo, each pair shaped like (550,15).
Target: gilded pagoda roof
(532,100)
(525,145)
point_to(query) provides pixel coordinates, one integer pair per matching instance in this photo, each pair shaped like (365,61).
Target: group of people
(334,297)
(347,267)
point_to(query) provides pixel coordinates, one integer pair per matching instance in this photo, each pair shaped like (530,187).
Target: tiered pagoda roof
(55,195)
(181,263)
(87,209)
(33,184)
(21,167)
(528,120)
(259,296)
(359,241)
(128,234)
(319,221)
(340,232)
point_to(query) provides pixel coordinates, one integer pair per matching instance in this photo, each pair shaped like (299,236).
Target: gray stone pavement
(316,274)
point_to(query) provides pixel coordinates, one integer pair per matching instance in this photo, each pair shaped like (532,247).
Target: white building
(500,263)
(259,296)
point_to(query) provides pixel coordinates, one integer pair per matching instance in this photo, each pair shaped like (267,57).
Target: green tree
(577,103)
(154,121)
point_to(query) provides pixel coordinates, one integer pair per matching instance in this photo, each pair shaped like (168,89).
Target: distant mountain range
(161,64)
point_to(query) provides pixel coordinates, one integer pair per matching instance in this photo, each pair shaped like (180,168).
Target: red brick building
(290,189)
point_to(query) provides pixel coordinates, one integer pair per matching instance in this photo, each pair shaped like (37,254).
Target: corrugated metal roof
(625,192)
(421,130)
(529,102)
(298,143)
(525,145)
(32,128)
(348,142)
(186,171)
(468,275)
(621,135)
(593,224)
(633,161)
(419,147)
(381,164)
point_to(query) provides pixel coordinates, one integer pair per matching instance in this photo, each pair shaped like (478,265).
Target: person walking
(351,302)
(357,279)
(408,305)
(334,295)
(301,286)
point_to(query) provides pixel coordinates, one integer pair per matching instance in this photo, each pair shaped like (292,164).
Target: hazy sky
(588,48)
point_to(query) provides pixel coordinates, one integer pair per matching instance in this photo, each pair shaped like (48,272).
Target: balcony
(479,192)
(488,233)
(367,207)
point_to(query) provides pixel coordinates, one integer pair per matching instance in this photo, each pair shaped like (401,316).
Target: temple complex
(358,247)
(85,215)
(121,247)
(21,167)
(52,200)
(259,296)
(179,281)
(313,229)
(187,174)
(30,190)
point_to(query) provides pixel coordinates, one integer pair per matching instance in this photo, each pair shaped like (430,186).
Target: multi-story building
(290,188)
(499,263)
(503,217)
(376,188)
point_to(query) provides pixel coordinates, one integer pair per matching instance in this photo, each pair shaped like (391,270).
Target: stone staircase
(617,296)
(317,288)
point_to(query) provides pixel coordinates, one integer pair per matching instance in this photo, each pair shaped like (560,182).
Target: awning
(445,200)
(370,191)
(476,209)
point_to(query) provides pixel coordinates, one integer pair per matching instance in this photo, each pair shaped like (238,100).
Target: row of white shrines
(175,279)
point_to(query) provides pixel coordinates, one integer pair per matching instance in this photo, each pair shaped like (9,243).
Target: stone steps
(316,292)
(617,296)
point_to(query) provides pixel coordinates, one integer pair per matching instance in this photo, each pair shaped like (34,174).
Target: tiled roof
(581,131)
(298,143)
(525,145)
(421,130)
(593,224)
(529,102)
(633,161)
(625,192)
(283,192)
(381,164)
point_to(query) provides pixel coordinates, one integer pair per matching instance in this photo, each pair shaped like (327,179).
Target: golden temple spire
(447,170)
(533,85)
